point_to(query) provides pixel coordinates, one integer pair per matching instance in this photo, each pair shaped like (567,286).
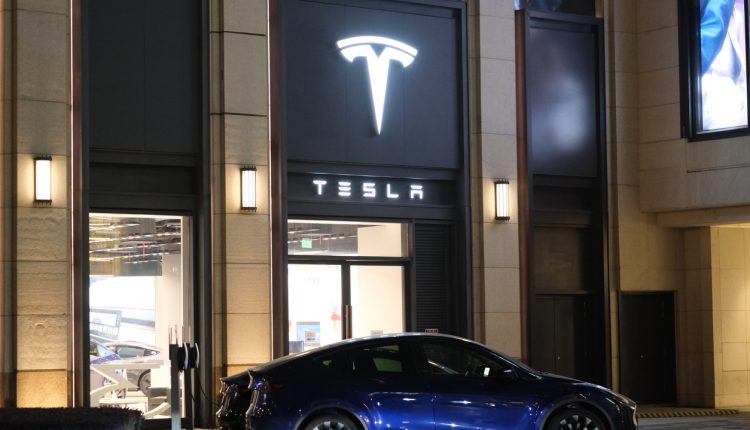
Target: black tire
(574,419)
(144,383)
(331,421)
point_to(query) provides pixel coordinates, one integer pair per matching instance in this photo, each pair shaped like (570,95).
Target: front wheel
(575,419)
(331,422)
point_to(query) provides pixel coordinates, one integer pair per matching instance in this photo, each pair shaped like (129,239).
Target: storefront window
(347,238)
(138,286)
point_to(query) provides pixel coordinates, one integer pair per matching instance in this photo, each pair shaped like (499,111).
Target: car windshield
(100,350)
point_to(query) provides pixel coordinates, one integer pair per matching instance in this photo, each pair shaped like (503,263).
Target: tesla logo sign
(377,65)
(369,190)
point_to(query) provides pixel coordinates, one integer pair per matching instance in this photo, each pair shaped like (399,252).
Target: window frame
(691,108)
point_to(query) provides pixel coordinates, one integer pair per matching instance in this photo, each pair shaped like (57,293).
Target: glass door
(345,279)
(139,290)
(377,300)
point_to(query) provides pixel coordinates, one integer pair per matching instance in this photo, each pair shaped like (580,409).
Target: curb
(681,413)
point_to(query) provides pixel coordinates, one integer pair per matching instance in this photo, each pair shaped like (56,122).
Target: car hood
(551,377)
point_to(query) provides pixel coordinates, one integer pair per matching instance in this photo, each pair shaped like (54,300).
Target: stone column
(239,137)
(492,95)
(36,237)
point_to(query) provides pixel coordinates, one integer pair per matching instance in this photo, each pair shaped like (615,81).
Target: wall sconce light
(247,188)
(43,179)
(502,200)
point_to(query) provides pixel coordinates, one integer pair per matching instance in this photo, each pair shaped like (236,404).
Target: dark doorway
(564,343)
(647,347)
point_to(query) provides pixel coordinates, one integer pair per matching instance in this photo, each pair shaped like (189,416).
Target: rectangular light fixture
(43,179)
(247,188)
(502,200)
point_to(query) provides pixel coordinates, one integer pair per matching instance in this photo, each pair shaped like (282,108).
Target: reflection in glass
(136,294)
(723,64)
(580,7)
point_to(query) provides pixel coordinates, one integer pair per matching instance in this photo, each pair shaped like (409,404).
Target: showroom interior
(549,178)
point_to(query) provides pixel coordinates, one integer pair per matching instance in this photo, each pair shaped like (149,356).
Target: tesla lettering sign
(370,190)
(377,65)
(310,187)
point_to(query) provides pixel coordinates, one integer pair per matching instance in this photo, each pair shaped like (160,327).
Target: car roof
(347,343)
(132,343)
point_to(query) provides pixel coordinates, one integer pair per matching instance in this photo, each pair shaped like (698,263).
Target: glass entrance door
(331,302)
(377,300)
(345,279)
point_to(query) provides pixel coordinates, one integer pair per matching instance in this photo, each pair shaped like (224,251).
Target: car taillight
(262,393)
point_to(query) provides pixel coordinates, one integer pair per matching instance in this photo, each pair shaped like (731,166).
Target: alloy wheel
(331,422)
(575,419)
(578,422)
(331,425)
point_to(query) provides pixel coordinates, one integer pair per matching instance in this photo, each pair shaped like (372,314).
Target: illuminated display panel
(723,79)
(714,68)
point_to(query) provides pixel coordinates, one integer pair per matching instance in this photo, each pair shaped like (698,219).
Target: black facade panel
(143,179)
(565,340)
(328,104)
(562,259)
(173,76)
(562,91)
(144,76)
(432,261)
(115,70)
(567,179)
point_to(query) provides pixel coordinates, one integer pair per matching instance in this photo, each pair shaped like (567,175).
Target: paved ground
(724,422)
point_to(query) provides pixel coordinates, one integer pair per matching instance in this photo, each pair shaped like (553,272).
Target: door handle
(347,326)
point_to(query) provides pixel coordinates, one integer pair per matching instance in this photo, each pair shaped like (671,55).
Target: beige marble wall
(695,322)
(678,175)
(492,68)
(644,256)
(662,158)
(239,136)
(6,292)
(730,260)
(37,241)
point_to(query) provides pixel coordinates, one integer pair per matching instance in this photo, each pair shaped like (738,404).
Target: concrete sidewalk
(674,418)
(654,411)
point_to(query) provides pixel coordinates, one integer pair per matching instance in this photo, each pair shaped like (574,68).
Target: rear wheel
(144,383)
(331,421)
(574,419)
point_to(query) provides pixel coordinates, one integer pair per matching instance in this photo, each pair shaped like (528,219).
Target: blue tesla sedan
(414,381)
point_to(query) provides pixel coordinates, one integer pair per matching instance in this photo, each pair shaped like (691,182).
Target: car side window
(130,352)
(332,362)
(377,360)
(458,361)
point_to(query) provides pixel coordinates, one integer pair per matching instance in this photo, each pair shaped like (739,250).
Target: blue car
(414,381)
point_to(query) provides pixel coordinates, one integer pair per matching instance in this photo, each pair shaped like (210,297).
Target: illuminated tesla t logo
(377,65)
